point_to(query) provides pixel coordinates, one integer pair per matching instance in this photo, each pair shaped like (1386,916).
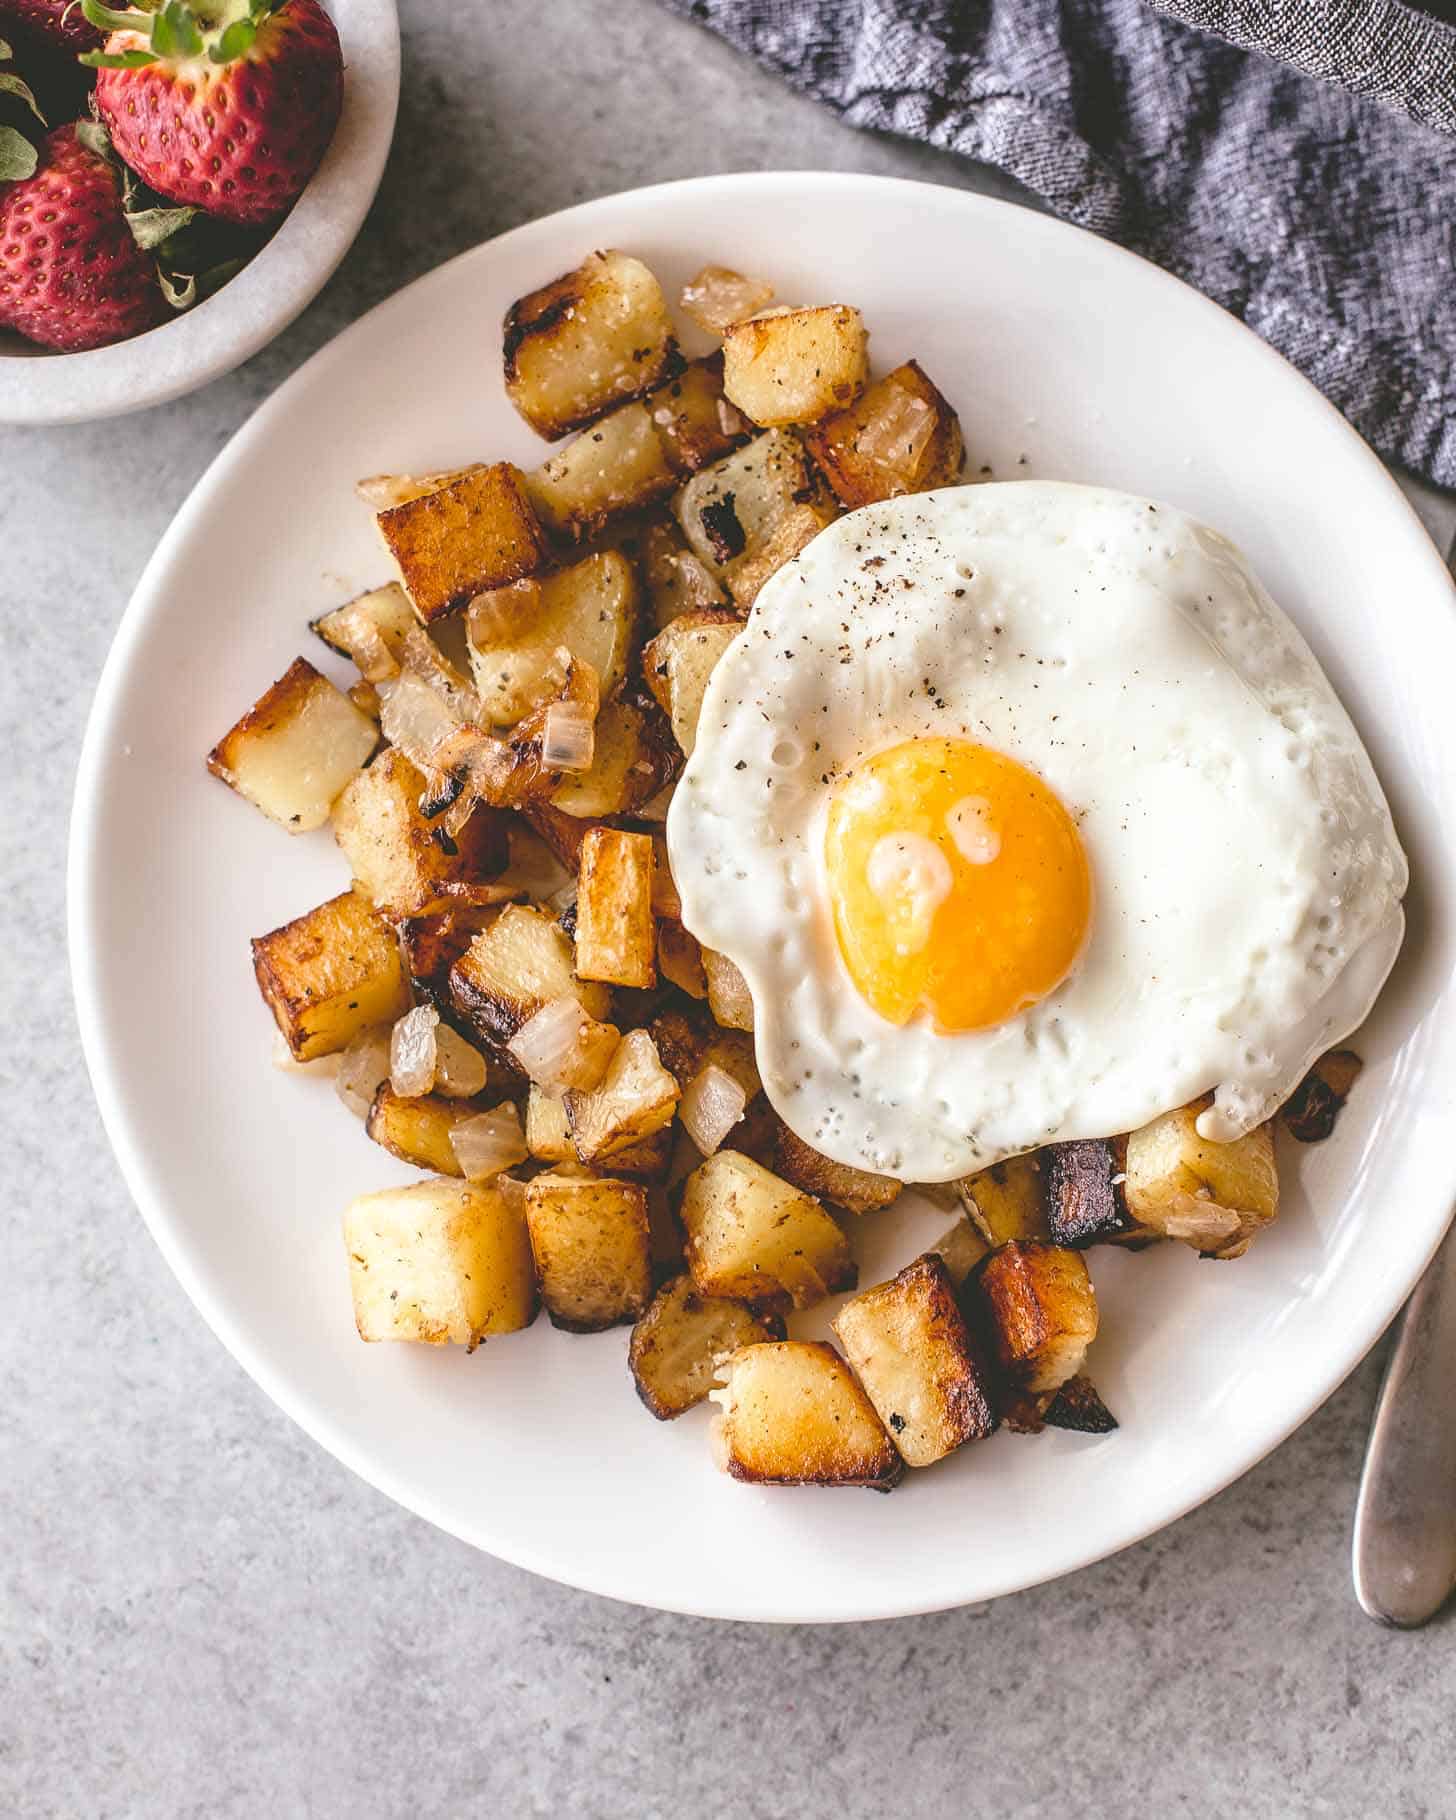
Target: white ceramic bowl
(39,386)
(1062,353)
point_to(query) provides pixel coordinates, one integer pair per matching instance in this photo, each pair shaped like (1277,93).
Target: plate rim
(106,1076)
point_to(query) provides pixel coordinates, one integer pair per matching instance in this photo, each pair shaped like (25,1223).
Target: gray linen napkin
(1308,182)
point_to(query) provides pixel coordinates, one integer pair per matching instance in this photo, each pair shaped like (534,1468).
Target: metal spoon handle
(1405,1521)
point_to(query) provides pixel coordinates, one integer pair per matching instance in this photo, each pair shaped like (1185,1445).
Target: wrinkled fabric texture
(1294,159)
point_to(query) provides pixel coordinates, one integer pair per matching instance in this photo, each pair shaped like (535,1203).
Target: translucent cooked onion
(363,1066)
(352,627)
(489,1143)
(381,491)
(897,435)
(512,1192)
(412,1045)
(568,738)
(502,615)
(460,1069)
(717,297)
(365,698)
(711,1107)
(413,717)
(562,1049)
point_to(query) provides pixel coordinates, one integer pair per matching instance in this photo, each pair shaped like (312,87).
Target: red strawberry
(226,105)
(71,275)
(56,21)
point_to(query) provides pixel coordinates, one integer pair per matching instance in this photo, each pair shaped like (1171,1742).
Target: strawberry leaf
(94,136)
(150,227)
(112,19)
(13,85)
(17,156)
(179,290)
(116,60)
(235,42)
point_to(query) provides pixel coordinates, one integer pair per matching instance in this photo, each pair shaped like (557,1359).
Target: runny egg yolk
(958,881)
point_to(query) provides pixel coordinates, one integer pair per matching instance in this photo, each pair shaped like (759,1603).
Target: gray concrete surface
(202,1614)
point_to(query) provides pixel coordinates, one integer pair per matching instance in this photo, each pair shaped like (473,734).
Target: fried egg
(1027,816)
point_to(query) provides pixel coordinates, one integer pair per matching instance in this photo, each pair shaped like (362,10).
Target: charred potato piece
(791,1413)
(590,608)
(433,943)
(417,1130)
(729,999)
(592,1247)
(1215,1197)
(900,437)
(548,1138)
(1008,1200)
(407,864)
(329,974)
(1078,1406)
(587,341)
(513,968)
(680,959)
(677,581)
(798,528)
(635,758)
(636,1098)
(1310,1112)
(295,749)
(855,1189)
(1084,1184)
(616,467)
(1041,1312)
(960,1248)
(440,1262)
(677,1344)
(754,1237)
(677,663)
(795,366)
(478,532)
(731,509)
(615,938)
(688,1044)
(919,1363)
(561,833)
(371,630)
(694,421)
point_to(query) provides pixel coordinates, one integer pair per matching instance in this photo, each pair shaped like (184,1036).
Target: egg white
(1247,875)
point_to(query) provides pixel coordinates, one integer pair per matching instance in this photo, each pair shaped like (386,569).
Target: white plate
(1067,358)
(40,386)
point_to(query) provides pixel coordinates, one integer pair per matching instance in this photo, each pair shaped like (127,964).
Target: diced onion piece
(425,658)
(381,491)
(568,737)
(512,1192)
(896,436)
(489,1143)
(414,718)
(711,1107)
(365,698)
(717,297)
(460,1068)
(562,1049)
(362,1067)
(353,628)
(412,1045)
(500,616)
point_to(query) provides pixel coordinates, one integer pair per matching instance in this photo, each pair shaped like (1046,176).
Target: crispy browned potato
(615,938)
(1008,1200)
(434,942)
(1041,1312)
(561,833)
(1310,1112)
(592,1247)
(587,341)
(795,366)
(295,749)
(616,467)
(730,510)
(855,1189)
(371,630)
(677,581)
(677,663)
(418,1130)
(752,1236)
(478,532)
(1078,1406)
(513,968)
(729,999)
(636,756)
(1084,1199)
(1215,1197)
(513,771)
(677,1344)
(688,1043)
(922,1368)
(791,1413)
(680,959)
(795,531)
(637,1097)
(694,421)
(329,974)
(900,437)
(405,862)
(439,1262)
(548,1138)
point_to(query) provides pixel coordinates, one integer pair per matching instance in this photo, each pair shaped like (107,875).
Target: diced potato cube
(1215,1197)
(1310,1112)
(417,1130)
(680,959)
(513,968)
(548,1136)
(295,749)
(637,1097)
(1042,1312)
(856,1189)
(791,1413)
(593,1249)
(590,608)
(329,974)
(796,366)
(587,341)
(434,942)
(919,1363)
(1078,1406)
(732,508)
(615,939)
(729,999)
(478,532)
(752,1236)
(679,661)
(677,1343)
(371,630)
(405,862)
(617,466)
(677,580)
(689,1043)
(635,758)
(439,1262)
(900,437)
(1008,1200)
(1085,1201)
(794,532)
(694,421)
